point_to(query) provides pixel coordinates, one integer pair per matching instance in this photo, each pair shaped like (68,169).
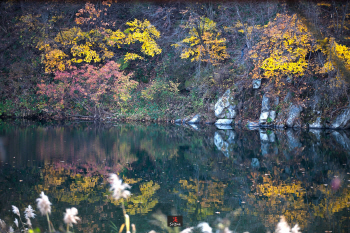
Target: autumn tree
(89,88)
(284,50)
(74,46)
(203,43)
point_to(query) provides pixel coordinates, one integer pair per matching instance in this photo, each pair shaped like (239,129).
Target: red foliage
(89,86)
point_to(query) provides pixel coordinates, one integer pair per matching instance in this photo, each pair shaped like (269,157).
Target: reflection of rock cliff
(224,140)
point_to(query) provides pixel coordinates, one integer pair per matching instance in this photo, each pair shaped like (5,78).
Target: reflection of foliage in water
(85,184)
(183,160)
(331,202)
(300,201)
(203,197)
(142,203)
(274,196)
(75,183)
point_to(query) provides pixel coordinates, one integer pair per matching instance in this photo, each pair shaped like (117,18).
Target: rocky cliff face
(288,114)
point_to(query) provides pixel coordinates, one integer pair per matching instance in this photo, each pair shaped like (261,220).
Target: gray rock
(256,83)
(315,103)
(342,139)
(194,126)
(231,112)
(293,141)
(223,126)
(221,144)
(263,136)
(294,114)
(265,104)
(223,122)
(195,120)
(178,121)
(317,124)
(277,101)
(342,121)
(267,135)
(288,97)
(265,148)
(272,115)
(317,133)
(255,163)
(252,124)
(263,117)
(223,103)
(185,120)
(281,117)
(230,135)
(272,136)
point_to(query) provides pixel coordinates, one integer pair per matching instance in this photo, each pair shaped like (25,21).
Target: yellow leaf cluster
(283,49)
(132,56)
(55,60)
(335,54)
(203,43)
(145,33)
(77,46)
(85,52)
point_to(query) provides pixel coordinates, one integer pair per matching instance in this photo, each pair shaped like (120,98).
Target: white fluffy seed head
(16,222)
(282,226)
(296,229)
(2,224)
(16,211)
(29,212)
(10,229)
(118,187)
(70,216)
(205,228)
(44,205)
(187,230)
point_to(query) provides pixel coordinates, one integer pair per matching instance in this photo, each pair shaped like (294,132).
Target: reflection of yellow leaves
(332,203)
(280,197)
(268,189)
(79,190)
(142,203)
(275,197)
(131,180)
(207,194)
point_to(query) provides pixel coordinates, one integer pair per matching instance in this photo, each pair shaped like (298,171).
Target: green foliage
(269,120)
(160,91)
(6,107)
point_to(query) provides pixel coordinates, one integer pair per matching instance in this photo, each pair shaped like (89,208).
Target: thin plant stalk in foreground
(118,189)
(44,205)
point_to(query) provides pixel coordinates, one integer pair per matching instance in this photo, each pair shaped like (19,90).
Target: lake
(246,178)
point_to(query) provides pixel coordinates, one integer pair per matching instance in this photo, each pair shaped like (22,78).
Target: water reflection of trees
(203,198)
(182,168)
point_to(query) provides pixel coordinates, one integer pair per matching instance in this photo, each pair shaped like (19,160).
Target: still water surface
(250,177)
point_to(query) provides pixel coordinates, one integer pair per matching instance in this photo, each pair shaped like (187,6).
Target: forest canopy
(151,59)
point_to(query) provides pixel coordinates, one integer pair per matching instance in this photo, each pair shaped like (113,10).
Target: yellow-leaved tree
(337,63)
(76,46)
(203,43)
(284,50)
